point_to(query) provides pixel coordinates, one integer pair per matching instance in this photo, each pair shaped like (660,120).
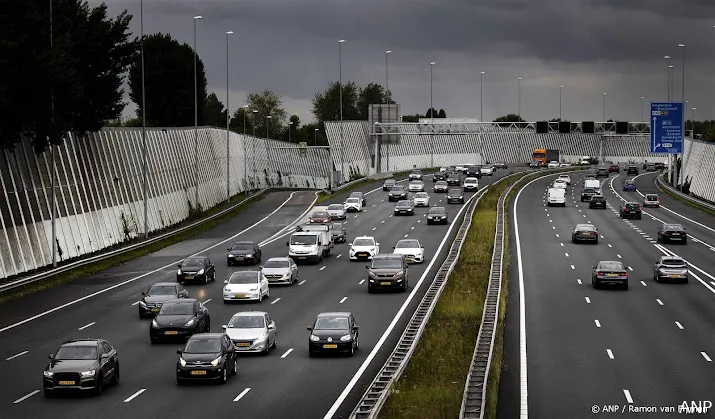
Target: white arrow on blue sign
(666,129)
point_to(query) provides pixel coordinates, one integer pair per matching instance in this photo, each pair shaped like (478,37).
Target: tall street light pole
(315,138)
(668,69)
(642,116)
(290,125)
(53,148)
(228,124)
(245,147)
(387,102)
(518,94)
(253,149)
(340,86)
(481,96)
(431,111)
(560,102)
(676,173)
(145,157)
(604,111)
(692,124)
(196,119)
(682,91)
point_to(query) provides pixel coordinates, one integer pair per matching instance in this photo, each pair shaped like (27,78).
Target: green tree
(442,114)
(326,104)
(215,113)
(237,121)
(267,103)
(307,133)
(431,113)
(169,80)
(412,118)
(512,117)
(371,94)
(293,127)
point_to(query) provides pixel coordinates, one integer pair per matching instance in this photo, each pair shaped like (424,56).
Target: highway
(286,380)
(650,346)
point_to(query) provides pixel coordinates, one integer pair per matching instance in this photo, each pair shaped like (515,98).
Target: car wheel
(594,283)
(268,292)
(656,278)
(260,297)
(224,376)
(115,378)
(206,279)
(213,277)
(357,342)
(352,350)
(625,287)
(48,393)
(153,340)
(99,389)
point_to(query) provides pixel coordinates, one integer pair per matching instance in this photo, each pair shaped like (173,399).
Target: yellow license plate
(673,275)
(410,259)
(240,295)
(239,257)
(301,257)
(198,372)
(330,346)
(611,275)
(67,383)
(244,344)
(171,332)
(676,234)
(189,277)
(586,234)
(155,310)
(385,283)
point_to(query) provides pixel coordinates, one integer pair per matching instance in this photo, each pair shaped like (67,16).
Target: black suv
(387,271)
(601,172)
(83,364)
(455,196)
(474,171)
(243,252)
(437,215)
(671,233)
(630,210)
(632,170)
(389,183)
(396,193)
(438,176)
(587,194)
(597,201)
(196,269)
(453,179)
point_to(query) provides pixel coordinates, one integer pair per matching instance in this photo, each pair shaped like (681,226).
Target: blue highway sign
(666,127)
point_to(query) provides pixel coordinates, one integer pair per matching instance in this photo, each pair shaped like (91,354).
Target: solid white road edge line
(25,397)
(86,326)
(302,282)
(287,353)
(353,381)
(16,355)
(243,393)
(129,281)
(134,396)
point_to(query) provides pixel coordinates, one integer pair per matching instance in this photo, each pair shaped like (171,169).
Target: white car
(246,285)
(559,184)
(412,249)
(553,165)
(353,204)
(280,270)
(442,169)
(416,186)
(251,331)
(470,184)
(416,174)
(421,199)
(487,170)
(337,211)
(364,247)
(565,178)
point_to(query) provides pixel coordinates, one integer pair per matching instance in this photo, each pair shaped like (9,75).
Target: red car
(614,168)
(320,217)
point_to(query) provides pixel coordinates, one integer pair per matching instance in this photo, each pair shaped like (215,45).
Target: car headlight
(182,362)
(201,272)
(215,362)
(154,323)
(88,373)
(179,272)
(48,374)
(230,255)
(190,323)
(314,338)
(346,338)
(250,255)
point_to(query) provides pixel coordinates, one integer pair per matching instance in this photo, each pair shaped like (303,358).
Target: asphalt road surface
(647,348)
(286,383)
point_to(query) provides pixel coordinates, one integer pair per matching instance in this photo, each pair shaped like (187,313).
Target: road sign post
(666,127)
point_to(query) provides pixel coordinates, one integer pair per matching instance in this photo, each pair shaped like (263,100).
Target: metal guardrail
(661,184)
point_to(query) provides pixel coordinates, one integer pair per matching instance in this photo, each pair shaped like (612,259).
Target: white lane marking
(374,228)
(584,215)
(16,355)
(136,303)
(243,393)
(338,256)
(321,268)
(588,300)
(554,227)
(361,282)
(355,216)
(208,300)
(382,200)
(548,215)
(579,210)
(619,256)
(680,326)
(713,282)
(567,255)
(406,235)
(343,300)
(562,245)
(573,267)
(172,264)
(373,205)
(134,396)
(707,358)
(301,282)
(630,269)
(276,300)
(601,235)
(86,326)
(287,353)
(610,353)
(644,284)
(382,222)
(551,221)
(390,216)
(609,245)
(25,397)
(557,235)
(419,221)
(628,396)
(658,300)
(412,228)
(579,281)
(598,324)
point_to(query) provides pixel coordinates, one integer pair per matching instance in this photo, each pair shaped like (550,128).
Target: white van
(592,183)
(325,231)
(306,246)
(556,196)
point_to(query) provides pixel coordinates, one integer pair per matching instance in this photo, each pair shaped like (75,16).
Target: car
(319,217)
(455,196)
(591,174)
(441,186)
(660,165)
(387,271)
(609,272)
(597,201)
(559,184)
(333,333)
(246,286)
(438,176)
(154,297)
(501,165)
(396,193)
(587,194)
(81,365)
(206,356)
(487,170)
(651,200)
(421,199)
(670,268)
(535,164)
(556,196)
(360,196)
(630,185)
(452,169)
(632,170)
(180,319)
(584,233)
(252,331)
(280,270)
(650,167)
(411,249)
(614,168)
(630,210)
(389,183)
(364,247)
(243,252)
(415,174)
(470,184)
(437,215)
(353,204)
(337,211)
(453,179)
(602,172)
(404,207)
(474,171)
(553,165)
(443,169)
(668,232)
(340,233)
(416,186)
(196,269)
(565,178)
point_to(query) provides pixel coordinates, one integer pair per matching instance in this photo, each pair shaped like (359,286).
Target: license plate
(302,257)
(632,212)
(409,259)
(189,277)
(402,211)
(171,332)
(676,234)
(199,372)
(385,283)
(154,310)
(586,234)
(612,275)
(240,295)
(330,346)
(244,344)
(239,257)
(673,275)
(67,383)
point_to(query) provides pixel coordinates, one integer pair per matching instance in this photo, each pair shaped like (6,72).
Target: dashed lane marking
(707,358)
(619,256)
(628,396)
(338,256)
(567,255)
(86,326)
(322,267)
(287,353)
(134,396)
(680,326)
(573,267)
(598,324)
(301,282)
(343,300)
(588,300)
(610,353)
(579,281)
(644,284)
(276,300)
(16,356)
(243,393)
(25,397)
(361,282)
(658,300)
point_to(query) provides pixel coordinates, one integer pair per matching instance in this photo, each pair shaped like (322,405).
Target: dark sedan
(453,179)
(614,168)
(206,356)
(501,165)
(455,196)
(404,207)
(437,215)
(584,233)
(244,252)
(587,194)
(340,234)
(668,233)
(630,210)
(670,268)
(534,164)
(609,272)
(320,217)
(196,269)
(396,193)
(632,170)
(180,319)
(157,294)
(333,333)
(597,201)
(389,183)
(83,365)
(602,172)
(438,176)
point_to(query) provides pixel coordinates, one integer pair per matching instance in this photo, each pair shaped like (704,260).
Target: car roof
(335,314)
(242,272)
(199,336)
(244,242)
(408,240)
(249,313)
(181,301)
(388,256)
(585,226)
(470,178)
(436,208)
(672,258)
(404,202)
(667,225)
(611,261)
(82,342)
(279,259)
(163,284)
(416,181)
(364,237)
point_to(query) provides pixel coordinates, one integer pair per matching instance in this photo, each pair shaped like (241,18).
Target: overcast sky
(588,46)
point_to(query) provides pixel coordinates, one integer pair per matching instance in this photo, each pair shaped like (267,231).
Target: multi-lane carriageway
(569,347)
(285,383)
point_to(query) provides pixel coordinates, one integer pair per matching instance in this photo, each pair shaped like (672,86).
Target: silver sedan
(336,211)
(252,331)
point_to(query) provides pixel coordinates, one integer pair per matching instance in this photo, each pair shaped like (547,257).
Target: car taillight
(624,274)
(599,273)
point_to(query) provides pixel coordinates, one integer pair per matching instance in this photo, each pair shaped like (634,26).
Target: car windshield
(161,290)
(320,215)
(177,309)
(303,240)
(242,246)
(598,198)
(245,277)
(337,227)
(455,192)
(335,207)
(436,210)
(403,204)
(585,227)
(389,182)
(386,263)
(416,172)
(441,183)
(613,266)
(76,353)
(651,197)
(674,262)
(203,346)
(589,190)
(356,195)
(331,323)
(193,262)
(421,195)
(470,181)
(247,322)
(674,227)
(363,242)
(397,189)
(632,206)
(407,244)
(352,200)
(276,264)
(630,182)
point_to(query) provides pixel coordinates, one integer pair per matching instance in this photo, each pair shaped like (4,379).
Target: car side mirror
(355,328)
(272,326)
(51,356)
(310,328)
(229,249)
(350,244)
(260,266)
(225,281)
(178,266)
(287,244)
(394,247)
(367,266)
(223,326)
(320,243)
(179,351)
(105,356)
(144,293)
(377,244)
(593,267)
